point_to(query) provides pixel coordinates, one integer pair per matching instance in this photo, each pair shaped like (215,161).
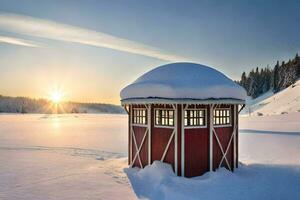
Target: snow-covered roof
(183,81)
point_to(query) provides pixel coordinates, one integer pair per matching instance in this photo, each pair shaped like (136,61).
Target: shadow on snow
(291,133)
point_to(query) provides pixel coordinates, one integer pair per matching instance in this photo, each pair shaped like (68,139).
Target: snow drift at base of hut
(254,181)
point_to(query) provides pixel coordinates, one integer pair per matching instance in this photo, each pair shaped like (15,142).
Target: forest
(260,80)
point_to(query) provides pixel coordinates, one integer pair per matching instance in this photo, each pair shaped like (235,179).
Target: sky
(91,49)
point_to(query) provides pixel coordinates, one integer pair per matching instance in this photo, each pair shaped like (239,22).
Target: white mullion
(234,139)
(167,147)
(130,126)
(149,132)
(182,139)
(176,139)
(211,124)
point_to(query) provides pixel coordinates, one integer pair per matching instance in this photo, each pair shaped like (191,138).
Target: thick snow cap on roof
(183,81)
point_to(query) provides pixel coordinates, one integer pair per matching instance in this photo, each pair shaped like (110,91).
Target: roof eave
(157,100)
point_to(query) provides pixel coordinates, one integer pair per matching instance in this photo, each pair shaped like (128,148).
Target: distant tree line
(29,105)
(258,81)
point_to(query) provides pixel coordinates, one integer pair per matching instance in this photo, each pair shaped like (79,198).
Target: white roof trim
(180,101)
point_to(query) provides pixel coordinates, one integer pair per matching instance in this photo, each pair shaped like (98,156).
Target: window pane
(194,117)
(164,117)
(222,116)
(201,122)
(171,122)
(171,113)
(139,116)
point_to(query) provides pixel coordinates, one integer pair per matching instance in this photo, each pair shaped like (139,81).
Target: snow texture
(60,157)
(184,81)
(255,181)
(283,102)
(82,156)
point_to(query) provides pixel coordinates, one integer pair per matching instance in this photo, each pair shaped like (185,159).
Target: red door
(196,151)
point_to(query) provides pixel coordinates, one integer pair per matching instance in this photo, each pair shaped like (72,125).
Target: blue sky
(97,47)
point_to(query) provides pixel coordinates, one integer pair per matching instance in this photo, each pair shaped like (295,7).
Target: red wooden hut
(184,114)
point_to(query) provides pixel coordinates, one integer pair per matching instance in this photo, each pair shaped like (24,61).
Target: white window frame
(164,126)
(146,117)
(223,125)
(192,127)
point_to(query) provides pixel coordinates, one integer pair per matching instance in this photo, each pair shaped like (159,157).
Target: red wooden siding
(159,140)
(139,132)
(196,148)
(224,134)
(196,151)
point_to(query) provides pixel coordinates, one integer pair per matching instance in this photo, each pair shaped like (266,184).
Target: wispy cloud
(63,32)
(17,41)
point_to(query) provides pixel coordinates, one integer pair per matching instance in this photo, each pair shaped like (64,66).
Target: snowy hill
(285,101)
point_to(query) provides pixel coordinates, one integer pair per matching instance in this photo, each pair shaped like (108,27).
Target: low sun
(56,96)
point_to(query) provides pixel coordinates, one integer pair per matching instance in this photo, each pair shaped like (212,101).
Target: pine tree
(276,76)
(297,65)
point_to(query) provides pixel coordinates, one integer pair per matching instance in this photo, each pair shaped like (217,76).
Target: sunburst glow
(56,96)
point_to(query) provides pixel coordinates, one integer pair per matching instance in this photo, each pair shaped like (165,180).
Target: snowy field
(83,156)
(64,157)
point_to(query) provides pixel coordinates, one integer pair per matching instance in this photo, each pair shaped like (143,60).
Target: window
(139,116)
(195,117)
(164,117)
(222,116)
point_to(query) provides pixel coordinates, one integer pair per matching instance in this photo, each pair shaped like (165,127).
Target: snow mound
(183,81)
(248,182)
